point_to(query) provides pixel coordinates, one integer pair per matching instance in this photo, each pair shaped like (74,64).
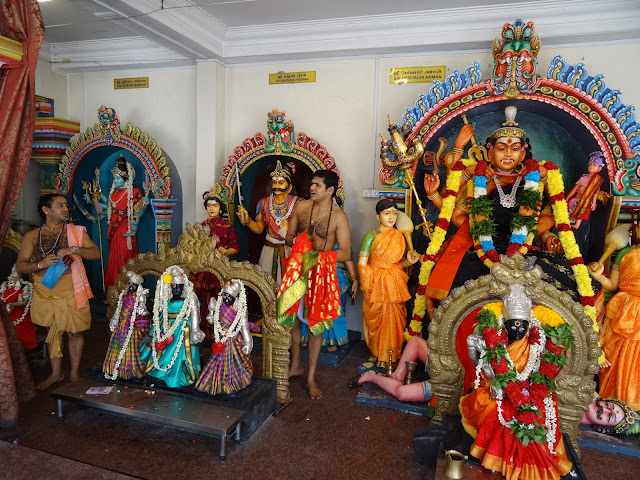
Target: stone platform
(258,399)
(370,394)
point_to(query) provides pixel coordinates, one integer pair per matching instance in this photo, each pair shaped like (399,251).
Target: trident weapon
(406,157)
(92,195)
(476,152)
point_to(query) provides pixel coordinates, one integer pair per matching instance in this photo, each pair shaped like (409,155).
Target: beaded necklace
(44,254)
(276,210)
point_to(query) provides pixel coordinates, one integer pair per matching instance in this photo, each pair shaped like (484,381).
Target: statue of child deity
(172,354)
(581,199)
(16,295)
(229,369)
(129,324)
(384,283)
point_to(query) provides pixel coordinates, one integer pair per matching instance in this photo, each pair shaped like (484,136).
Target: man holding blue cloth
(64,307)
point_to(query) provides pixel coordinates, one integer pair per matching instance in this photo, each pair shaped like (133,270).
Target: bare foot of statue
(296,371)
(332,348)
(50,381)
(314,391)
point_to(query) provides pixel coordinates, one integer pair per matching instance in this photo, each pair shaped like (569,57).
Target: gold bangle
(465,175)
(546,235)
(433,196)
(457,150)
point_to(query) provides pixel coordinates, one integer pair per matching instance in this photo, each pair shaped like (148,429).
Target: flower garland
(437,239)
(555,187)
(220,335)
(26,292)
(141,293)
(523,221)
(129,192)
(530,391)
(165,336)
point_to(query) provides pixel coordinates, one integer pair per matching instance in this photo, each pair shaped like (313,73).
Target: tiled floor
(332,438)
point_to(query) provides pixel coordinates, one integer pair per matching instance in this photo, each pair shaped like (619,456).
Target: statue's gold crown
(282,171)
(517,304)
(509,128)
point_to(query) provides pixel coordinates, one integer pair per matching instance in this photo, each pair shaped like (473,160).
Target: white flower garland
(162,298)
(533,365)
(220,335)
(551,423)
(128,184)
(26,291)
(140,296)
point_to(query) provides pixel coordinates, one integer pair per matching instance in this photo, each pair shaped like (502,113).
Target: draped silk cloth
(384,285)
(20,20)
(119,251)
(496,446)
(311,274)
(56,309)
(621,336)
(230,370)
(81,287)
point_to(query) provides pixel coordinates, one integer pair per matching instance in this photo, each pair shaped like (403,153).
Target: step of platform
(162,408)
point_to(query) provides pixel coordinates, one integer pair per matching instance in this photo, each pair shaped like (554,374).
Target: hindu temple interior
(435,202)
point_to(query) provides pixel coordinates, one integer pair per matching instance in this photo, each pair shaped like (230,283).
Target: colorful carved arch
(569,88)
(143,146)
(306,149)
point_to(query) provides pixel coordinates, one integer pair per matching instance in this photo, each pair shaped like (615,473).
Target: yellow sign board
(137,82)
(417,74)
(292,77)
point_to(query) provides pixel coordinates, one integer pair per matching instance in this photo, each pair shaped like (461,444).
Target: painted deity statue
(383,255)
(512,412)
(280,133)
(229,369)
(500,203)
(130,326)
(620,335)
(581,199)
(125,205)
(172,354)
(206,284)
(16,295)
(515,56)
(273,213)
(611,417)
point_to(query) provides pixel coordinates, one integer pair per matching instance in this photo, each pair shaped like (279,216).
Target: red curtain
(19,20)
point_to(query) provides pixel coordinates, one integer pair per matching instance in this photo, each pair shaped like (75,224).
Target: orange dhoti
(384,285)
(496,446)
(621,336)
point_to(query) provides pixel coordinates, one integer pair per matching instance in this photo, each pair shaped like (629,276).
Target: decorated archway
(255,158)
(85,174)
(566,115)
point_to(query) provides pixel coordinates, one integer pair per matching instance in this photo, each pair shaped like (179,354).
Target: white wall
(166,111)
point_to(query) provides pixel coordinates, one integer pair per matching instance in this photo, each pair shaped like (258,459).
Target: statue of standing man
(274,212)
